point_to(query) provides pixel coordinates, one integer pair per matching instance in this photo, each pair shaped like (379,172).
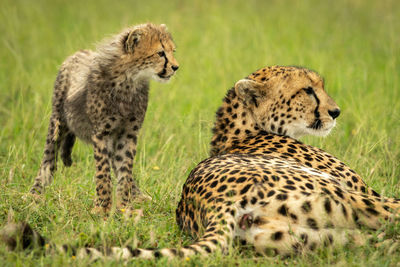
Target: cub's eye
(309,90)
(161,53)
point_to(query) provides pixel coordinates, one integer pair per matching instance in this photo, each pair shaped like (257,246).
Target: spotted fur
(101,97)
(263,186)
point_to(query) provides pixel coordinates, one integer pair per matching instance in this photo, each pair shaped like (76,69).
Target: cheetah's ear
(249,91)
(164,27)
(131,40)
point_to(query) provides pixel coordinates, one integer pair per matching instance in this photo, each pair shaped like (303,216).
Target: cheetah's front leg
(124,153)
(103,177)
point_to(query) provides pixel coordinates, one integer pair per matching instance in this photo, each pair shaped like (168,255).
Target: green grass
(354,44)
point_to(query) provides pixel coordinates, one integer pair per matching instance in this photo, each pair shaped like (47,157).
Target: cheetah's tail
(19,236)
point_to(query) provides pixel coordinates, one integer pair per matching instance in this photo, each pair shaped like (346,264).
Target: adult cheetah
(261,185)
(101,97)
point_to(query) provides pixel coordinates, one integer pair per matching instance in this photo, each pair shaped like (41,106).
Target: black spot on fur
(281,197)
(290,187)
(222,188)
(243,203)
(368,202)
(312,223)
(277,236)
(245,189)
(213,184)
(327,205)
(241,179)
(206,248)
(372,211)
(283,210)
(304,238)
(309,186)
(306,207)
(344,210)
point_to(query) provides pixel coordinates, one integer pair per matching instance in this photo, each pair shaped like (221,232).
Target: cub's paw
(131,213)
(32,197)
(142,197)
(102,211)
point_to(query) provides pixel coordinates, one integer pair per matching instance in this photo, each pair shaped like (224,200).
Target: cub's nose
(174,67)
(334,113)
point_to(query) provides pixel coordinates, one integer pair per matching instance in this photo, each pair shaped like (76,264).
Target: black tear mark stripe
(316,112)
(317,124)
(164,71)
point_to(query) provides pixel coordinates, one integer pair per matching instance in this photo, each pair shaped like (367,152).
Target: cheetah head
(150,48)
(288,100)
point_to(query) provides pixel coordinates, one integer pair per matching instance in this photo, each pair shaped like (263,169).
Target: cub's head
(149,49)
(288,100)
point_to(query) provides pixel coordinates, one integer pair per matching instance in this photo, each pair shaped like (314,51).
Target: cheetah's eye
(161,53)
(309,90)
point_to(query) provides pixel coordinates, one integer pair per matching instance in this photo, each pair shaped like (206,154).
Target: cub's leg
(48,165)
(124,153)
(67,142)
(102,153)
(57,129)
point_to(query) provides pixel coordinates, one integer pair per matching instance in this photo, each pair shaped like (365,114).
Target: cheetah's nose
(334,113)
(174,67)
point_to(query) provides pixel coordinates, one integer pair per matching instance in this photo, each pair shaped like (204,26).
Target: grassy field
(354,44)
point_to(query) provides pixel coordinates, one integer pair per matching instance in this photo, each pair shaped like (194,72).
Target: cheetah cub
(101,97)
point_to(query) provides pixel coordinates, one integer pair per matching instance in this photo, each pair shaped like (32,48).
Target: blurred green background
(353,44)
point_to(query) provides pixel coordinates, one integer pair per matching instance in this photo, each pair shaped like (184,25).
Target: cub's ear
(131,40)
(249,91)
(164,27)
